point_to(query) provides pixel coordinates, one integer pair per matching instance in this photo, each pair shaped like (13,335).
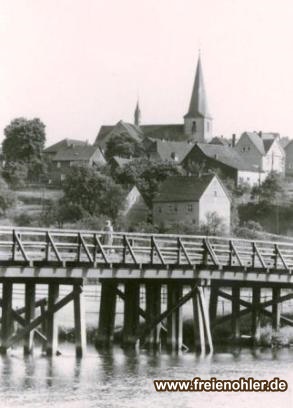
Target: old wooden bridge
(188,267)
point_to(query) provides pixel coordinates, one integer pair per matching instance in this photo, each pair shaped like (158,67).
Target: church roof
(198,106)
(170,150)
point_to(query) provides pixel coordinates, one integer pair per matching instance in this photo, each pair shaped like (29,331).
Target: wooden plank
(181,245)
(30,295)
(51,241)
(278,252)
(257,251)
(235,251)
(84,246)
(79,321)
(127,244)
(16,237)
(101,249)
(211,252)
(155,246)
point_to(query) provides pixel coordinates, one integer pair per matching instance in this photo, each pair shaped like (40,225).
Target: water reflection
(118,378)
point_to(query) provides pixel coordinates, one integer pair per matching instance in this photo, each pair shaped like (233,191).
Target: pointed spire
(198,104)
(137,114)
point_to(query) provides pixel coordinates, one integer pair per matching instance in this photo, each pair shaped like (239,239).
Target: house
(262,151)
(74,155)
(135,209)
(289,159)
(190,199)
(166,150)
(205,157)
(51,151)
(118,162)
(196,126)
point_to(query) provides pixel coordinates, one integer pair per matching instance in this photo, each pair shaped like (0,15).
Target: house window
(170,207)
(193,127)
(159,209)
(189,207)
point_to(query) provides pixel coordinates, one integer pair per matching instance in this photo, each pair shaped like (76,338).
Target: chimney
(233,140)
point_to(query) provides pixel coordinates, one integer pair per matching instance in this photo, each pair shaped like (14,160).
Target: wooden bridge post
(153,310)
(235,312)
(131,313)
(52,326)
(199,333)
(30,298)
(276,309)
(79,321)
(6,327)
(174,320)
(213,304)
(255,323)
(107,314)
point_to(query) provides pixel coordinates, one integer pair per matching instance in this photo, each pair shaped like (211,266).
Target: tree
(7,198)
(124,146)
(214,224)
(271,190)
(147,175)
(23,143)
(92,193)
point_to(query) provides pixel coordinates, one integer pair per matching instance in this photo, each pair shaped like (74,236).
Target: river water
(125,379)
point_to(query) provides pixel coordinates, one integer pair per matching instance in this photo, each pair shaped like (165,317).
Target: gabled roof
(180,188)
(76,153)
(226,155)
(121,161)
(198,106)
(172,132)
(256,140)
(64,143)
(168,150)
(219,141)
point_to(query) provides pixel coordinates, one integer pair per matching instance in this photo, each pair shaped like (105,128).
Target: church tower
(137,115)
(198,122)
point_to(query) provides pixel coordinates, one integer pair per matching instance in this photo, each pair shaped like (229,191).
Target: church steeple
(198,121)
(137,114)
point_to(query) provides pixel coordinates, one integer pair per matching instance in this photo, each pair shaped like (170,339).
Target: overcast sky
(78,64)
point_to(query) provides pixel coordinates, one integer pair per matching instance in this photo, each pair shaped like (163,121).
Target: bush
(23,220)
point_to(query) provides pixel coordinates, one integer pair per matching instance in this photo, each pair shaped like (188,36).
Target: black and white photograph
(146,203)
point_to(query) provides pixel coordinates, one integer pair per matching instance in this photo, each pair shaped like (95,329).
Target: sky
(78,64)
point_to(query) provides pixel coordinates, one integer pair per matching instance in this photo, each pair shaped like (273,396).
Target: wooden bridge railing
(29,246)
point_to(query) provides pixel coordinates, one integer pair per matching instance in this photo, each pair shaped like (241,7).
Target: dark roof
(267,144)
(219,140)
(64,143)
(226,155)
(121,161)
(167,132)
(180,188)
(198,106)
(119,129)
(172,132)
(169,150)
(76,153)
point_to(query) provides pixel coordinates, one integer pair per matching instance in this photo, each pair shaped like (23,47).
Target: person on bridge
(108,236)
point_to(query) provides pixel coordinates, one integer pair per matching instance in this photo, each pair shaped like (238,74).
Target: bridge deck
(40,253)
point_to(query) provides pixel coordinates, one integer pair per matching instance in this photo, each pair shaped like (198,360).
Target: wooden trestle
(138,268)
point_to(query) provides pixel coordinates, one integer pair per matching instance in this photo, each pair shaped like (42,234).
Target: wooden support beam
(52,326)
(276,309)
(174,320)
(6,329)
(199,332)
(235,312)
(107,314)
(30,300)
(204,296)
(99,247)
(213,306)
(255,318)
(210,251)
(131,314)
(153,310)
(79,321)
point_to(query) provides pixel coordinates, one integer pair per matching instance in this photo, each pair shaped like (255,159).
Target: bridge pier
(7,321)
(107,313)
(174,320)
(51,324)
(131,314)
(153,310)
(30,299)
(79,321)
(235,313)
(213,303)
(255,317)
(276,309)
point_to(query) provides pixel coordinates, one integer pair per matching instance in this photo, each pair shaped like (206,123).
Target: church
(197,125)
